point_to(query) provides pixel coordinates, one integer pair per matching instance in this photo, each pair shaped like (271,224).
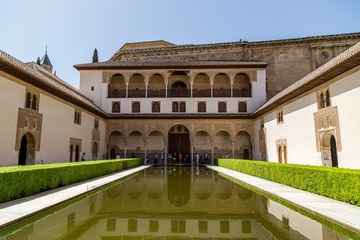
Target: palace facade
(279,101)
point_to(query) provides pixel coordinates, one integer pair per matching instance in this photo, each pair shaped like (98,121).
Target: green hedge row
(21,181)
(336,183)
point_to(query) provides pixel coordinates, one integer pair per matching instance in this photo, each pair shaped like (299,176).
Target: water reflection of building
(181,203)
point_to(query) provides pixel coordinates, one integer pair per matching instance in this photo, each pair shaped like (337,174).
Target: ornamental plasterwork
(29,121)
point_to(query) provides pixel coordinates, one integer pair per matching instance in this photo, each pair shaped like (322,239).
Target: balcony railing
(137,93)
(244,92)
(221,92)
(179,92)
(156,93)
(116,93)
(202,93)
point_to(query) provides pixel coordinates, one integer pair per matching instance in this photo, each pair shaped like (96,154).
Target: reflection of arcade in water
(176,203)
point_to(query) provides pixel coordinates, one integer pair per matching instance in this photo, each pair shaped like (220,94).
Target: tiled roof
(169,64)
(45,60)
(36,75)
(338,65)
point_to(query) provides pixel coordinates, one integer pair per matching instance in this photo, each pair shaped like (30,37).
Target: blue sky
(73,28)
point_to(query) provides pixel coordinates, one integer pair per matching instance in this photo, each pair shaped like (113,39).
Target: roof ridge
(33,70)
(238,43)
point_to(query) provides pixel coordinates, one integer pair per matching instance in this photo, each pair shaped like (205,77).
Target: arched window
(222,107)
(175,107)
(136,107)
(96,123)
(242,107)
(116,107)
(322,101)
(79,118)
(327,98)
(280,154)
(28,100)
(155,107)
(33,104)
(182,107)
(201,107)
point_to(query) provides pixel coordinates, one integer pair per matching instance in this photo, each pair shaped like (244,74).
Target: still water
(175,203)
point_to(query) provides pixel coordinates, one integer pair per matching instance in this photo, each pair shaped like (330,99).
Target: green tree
(95,56)
(38,61)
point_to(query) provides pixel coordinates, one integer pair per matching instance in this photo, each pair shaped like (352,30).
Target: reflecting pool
(173,203)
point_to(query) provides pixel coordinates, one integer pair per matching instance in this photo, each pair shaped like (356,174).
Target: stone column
(192,154)
(165,155)
(232,79)
(212,78)
(144,152)
(146,81)
(212,153)
(166,92)
(233,150)
(191,89)
(127,80)
(124,150)
(192,174)
(191,83)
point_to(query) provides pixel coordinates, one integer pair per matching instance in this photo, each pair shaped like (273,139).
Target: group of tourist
(180,158)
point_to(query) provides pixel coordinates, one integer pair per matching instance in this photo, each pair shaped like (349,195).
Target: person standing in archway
(180,158)
(83,157)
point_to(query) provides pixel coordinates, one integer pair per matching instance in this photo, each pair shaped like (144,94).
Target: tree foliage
(95,56)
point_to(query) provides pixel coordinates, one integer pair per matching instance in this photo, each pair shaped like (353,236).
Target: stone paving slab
(14,211)
(341,213)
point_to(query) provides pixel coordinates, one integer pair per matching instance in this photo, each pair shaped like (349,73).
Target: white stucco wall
(346,95)
(57,126)
(90,79)
(12,96)
(298,127)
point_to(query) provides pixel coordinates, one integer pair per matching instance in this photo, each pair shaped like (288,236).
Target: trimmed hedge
(22,181)
(336,183)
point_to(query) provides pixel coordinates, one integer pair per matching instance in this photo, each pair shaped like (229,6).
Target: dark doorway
(246,153)
(112,153)
(23,151)
(179,140)
(71,153)
(179,89)
(334,159)
(77,153)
